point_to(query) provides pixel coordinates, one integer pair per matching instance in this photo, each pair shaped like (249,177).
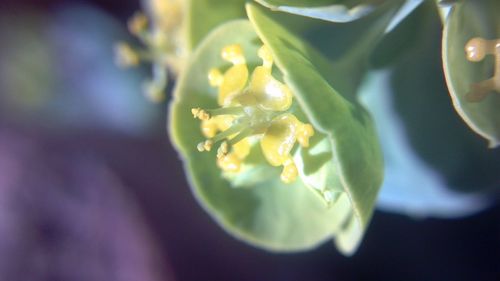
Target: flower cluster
(476,49)
(251,110)
(162,44)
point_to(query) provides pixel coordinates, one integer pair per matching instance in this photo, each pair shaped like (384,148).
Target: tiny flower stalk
(476,49)
(251,111)
(162,43)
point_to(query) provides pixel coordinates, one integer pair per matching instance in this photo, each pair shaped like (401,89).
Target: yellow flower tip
(200,114)
(234,54)
(304,133)
(229,163)
(215,77)
(209,128)
(138,23)
(153,92)
(223,150)
(167,13)
(290,172)
(125,56)
(476,50)
(266,56)
(232,82)
(205,146)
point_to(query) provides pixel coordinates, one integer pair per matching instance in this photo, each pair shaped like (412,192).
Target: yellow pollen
(223,150)
(200,114)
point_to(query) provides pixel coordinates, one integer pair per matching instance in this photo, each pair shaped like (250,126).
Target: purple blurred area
(91,189)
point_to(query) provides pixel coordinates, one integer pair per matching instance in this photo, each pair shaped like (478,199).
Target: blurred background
(91,188)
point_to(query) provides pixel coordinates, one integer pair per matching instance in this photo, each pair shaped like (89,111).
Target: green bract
(204,15)
(467,20)
(340,173)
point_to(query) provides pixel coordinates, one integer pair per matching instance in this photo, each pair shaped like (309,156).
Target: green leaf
(355,150)
(435,133)
(269,214)
(328,10)
(204,15)
(343,165)
(467,20)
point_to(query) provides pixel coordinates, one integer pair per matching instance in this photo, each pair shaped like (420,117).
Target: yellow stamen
(250,109)
(289,173)
(138,23)
(223,150)
(125,55)
(200,114)
(234,79)
(229,163)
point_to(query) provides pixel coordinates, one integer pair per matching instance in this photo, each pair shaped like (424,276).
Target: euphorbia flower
(258,109)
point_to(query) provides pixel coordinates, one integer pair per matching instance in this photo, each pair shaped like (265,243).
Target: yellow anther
(234,79)
(138,23)
(200,113)
(279,138)
(268,92)
(266,56)
(205,146)
(229,163)
(289,173)
(223,150)
(304,132)
(125,56)
(233,54)
(476,49)
(209,128)
(241,149)
(215,78)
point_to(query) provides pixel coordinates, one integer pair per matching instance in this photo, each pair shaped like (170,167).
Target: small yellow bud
(205,146)
(125,56)
(138,23)
(223,150)
(289,173)
(234,79)
(200,114)
(304,132)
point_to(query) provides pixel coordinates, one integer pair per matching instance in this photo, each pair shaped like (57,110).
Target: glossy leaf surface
(328,10)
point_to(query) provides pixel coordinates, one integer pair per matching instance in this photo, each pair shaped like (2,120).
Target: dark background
(183,242)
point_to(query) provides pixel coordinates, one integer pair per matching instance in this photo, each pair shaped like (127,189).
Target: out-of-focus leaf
(328,10)
(349,128)
(467,20)
(437,136)
(204,15)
